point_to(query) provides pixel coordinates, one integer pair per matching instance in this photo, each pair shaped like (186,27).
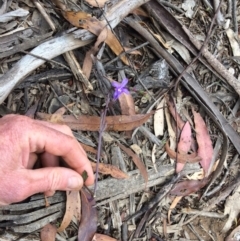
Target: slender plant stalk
(101,130)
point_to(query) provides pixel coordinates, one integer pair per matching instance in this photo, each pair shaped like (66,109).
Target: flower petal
(124,82)
(115,95)
(115,84)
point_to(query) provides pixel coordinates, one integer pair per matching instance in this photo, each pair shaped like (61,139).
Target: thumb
(24,183)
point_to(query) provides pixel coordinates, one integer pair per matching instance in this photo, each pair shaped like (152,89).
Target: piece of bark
(33,226)
(27,44)
(112,189)
(40,202)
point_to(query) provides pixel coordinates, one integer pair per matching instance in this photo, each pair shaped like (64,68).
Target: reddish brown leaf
(102,237)
(184,144)
(182,158)
(205,148)
(92,123)
(186,187)
(72,208)
(175,115)
(95,26)
(88,148)
(88,62)
(48,233)
(88,225)
(136,160)
(108,169)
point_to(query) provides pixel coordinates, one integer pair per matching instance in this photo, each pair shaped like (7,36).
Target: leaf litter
(128,111)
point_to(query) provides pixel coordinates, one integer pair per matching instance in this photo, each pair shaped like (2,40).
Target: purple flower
(120,88)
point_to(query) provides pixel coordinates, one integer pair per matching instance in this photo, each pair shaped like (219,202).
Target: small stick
(45,15)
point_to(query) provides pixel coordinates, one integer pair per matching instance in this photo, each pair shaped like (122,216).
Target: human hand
(22,141)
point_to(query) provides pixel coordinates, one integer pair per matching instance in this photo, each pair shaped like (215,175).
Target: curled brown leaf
(108,169)
(182,158)
(92,123)
(186,187)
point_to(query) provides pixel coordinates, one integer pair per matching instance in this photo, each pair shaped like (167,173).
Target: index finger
(48,138)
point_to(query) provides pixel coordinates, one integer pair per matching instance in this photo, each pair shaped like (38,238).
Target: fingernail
(74,183)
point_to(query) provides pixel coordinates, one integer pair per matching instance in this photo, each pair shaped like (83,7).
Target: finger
(32,160)
(62,128)
(49,160)
(30,182)
(43,138)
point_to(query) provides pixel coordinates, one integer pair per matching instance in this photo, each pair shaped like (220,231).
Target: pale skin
(22,142)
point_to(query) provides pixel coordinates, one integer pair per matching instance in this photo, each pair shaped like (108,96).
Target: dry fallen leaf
(175,115)
(95,26)
(108,169)
(88,225)
(88,62)
(73,207)
(48,233)
(102,237)
(159,119)
(184,144)
(186,187)
(174,203)
(136,160)
(127,107)
(171,132)
(205,148)
(182,158)
(92,123)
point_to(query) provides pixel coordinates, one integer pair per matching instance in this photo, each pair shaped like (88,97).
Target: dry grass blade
(92,123)
(72,208)
(108,169)
(48,233)
(136,160)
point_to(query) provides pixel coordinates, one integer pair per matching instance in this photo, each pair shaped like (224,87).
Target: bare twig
(45,15)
